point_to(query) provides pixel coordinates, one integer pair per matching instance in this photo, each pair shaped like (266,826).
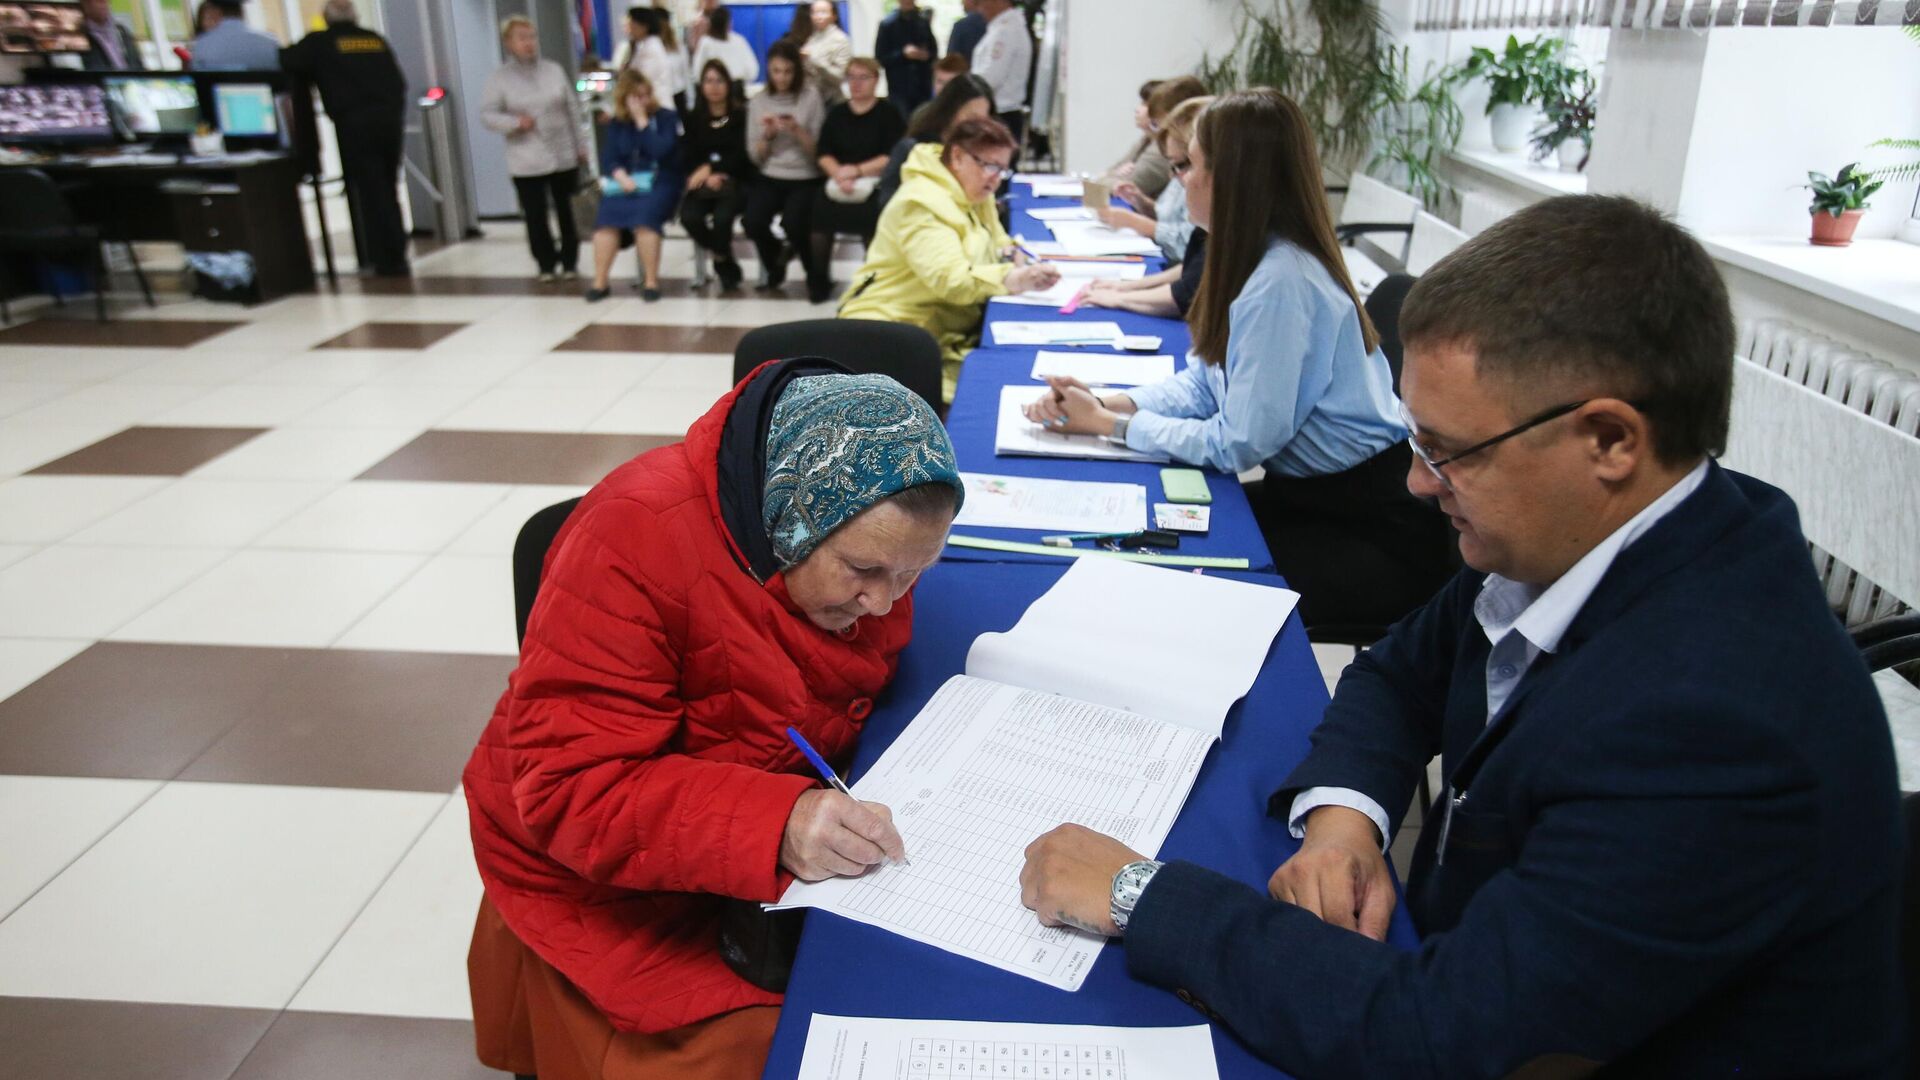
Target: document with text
(1026,502)
(874,1048)
(1097,370)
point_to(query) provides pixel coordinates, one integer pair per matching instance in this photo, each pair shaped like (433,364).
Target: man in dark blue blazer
(1669,843)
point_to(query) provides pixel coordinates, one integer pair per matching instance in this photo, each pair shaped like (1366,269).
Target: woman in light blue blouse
(1286,372)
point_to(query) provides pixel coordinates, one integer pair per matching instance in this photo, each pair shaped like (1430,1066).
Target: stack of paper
(1017,436)
(868,1048)
(1020,502)
(1095,369)
(1058,189)
(1062,213)
(1094,238)
(1057,333)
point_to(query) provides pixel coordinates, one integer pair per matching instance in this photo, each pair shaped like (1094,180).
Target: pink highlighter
(1073,305)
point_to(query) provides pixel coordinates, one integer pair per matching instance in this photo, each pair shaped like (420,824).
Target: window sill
(1521,171)
(1879,276)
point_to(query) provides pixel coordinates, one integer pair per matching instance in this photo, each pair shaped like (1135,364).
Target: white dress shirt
(1002,59)
(1522,621)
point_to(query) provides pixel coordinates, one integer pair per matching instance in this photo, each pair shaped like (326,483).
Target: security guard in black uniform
(366,96)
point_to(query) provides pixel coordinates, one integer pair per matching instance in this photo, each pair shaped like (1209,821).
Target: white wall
(1109,47)
(1646,115)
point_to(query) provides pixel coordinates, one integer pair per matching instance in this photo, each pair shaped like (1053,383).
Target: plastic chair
(35,219)
(862,346)
(530,557)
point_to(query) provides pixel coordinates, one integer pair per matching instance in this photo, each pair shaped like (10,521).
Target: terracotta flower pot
(1830,231)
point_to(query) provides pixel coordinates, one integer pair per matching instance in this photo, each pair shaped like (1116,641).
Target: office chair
(35,219)
(530,556)
(862,346)
(1383,308)
(1883,644)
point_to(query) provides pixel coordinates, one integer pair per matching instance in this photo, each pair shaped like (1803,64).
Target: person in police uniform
(1004,58)
(366,96)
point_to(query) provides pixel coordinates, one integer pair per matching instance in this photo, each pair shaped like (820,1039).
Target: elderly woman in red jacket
(637,772)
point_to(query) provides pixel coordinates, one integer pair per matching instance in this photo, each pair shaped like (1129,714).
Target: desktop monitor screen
(156,104)
(245,109)
(42,28)
(53,112)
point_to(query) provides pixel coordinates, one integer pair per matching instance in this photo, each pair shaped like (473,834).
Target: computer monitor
(54,113)
(155,104)
(41,28)
(245,110)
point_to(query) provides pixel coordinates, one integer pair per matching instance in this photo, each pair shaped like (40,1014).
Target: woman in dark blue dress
(640,182)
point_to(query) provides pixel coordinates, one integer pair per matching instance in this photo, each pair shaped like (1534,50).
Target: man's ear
(1618,437)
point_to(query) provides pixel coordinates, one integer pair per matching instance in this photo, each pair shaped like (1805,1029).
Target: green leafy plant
(1521,73)
(1569,115)
(1847,190)
(1421,124)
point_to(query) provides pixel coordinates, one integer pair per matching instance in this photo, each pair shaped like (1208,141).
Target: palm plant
(1422,123)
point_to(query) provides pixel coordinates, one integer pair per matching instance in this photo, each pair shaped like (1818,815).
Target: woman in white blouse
(827,52)
(719,42)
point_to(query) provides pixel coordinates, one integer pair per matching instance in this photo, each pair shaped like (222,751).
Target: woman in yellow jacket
(939,252)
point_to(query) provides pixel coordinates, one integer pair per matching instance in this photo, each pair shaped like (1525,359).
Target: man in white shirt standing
(1004,58)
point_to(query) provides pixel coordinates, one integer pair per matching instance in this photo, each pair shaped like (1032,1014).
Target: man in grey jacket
(530,101)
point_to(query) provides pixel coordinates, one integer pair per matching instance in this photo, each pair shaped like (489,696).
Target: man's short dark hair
(1595,289)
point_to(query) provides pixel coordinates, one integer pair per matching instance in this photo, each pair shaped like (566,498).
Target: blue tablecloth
(848,968)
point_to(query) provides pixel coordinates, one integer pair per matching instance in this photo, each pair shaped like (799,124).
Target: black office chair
(862,346)
(1887,643)
(1383,308)
(530,555)
(35,219)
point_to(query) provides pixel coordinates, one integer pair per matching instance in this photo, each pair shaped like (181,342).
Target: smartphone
(1185,486)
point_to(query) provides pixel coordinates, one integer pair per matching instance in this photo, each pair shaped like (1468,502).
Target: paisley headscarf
(838,444)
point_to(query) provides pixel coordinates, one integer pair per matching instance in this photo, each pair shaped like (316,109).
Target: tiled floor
(255,605)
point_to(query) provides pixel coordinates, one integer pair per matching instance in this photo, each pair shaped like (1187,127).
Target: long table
(851,969)
(974,415)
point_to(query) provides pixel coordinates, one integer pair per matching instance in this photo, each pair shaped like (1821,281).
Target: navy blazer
(1678,852)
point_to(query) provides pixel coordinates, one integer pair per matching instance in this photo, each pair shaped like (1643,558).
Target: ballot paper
(1094,238)
(1095,270)
(871,1048)
(1085,712)
(1061,213)
(1057,333)
(1057,295)
(1016,436)
(1068,506)
(1096,369)
(1057,189)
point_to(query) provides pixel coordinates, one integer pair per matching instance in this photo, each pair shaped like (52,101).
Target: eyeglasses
(1180,167)
(992,169)
(1434,466)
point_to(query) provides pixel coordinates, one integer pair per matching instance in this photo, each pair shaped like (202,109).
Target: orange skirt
(528,1019)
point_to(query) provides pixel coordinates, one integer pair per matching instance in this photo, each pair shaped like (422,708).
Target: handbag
(642,184)
(862,188)
(586,208)
(759,945)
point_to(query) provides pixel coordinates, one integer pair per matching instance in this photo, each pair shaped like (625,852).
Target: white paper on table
(1022,502)
(1056,333)
(1057,295)
(874,1048)
(1016,436)
(1061,213)
(1094,238)
(1042,248)
(1058,189)
(1095,369)
(1031,177)
(1088,270)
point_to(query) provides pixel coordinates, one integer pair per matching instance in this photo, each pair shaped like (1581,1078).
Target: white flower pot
(1572,153)
(1510,126)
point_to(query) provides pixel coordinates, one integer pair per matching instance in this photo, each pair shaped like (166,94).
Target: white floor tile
(23,448)
(376,515)
(766,311)
(299,598)
(670,311)
(610,373)
(211,894)
(291,453)
(461,366)
(46,822)
(43,509)
(705,372)
(13,553)
(24,660)
(529,408)
(389,406)
(247,405)
(456,603)
(85,592)
(204,513)
(211,366)
(333,367)
(496,530)
(118,404)
(406,953)
(34,363)
(20,396)
(642,411)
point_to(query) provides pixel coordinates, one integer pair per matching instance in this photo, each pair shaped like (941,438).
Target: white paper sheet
(1094,238)
(1059,295)
(1101,271)
(976,777)
(871,1048)
(1058,189)
(1022,502)
(1017,436)
(1032,177)
(1096,369)
(1061,213)
(1055,333)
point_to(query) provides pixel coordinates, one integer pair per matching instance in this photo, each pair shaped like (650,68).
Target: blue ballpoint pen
(826,770)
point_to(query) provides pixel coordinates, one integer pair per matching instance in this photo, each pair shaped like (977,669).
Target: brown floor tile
(631,337)
(392,335)
(118,333)
(330,1046)
(717,339)
(122,709)
(58,1037)
(512,457)
(393,721)
(150,451)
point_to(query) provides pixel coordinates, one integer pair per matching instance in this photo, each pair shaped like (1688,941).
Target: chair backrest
(1383,307)
(530,555)
(862,346)
(1371,202)
(1431,241)
(1910,922)
(31,201)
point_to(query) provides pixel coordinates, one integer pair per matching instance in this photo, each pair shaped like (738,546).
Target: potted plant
(1838,203)
(1417,124)
(1568,130)
(1516,77)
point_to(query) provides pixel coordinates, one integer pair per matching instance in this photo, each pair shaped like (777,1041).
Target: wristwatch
(1128,884)
(1120,429)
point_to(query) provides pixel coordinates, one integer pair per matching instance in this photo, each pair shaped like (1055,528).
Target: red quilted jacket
(637,768)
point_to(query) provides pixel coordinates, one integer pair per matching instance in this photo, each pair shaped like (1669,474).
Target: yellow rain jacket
(934,261)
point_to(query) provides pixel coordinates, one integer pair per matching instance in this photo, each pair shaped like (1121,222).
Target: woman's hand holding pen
(831,835)
(1072,408)
(1032,277)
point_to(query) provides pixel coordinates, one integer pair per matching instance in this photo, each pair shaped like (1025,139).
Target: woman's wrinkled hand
(831,835)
